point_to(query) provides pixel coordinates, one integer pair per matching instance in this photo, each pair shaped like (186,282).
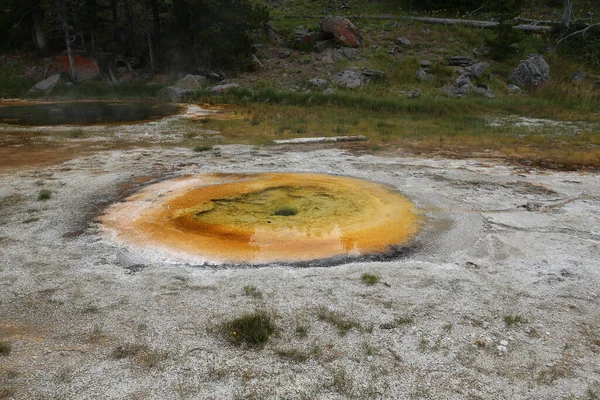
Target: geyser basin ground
(83,112)
(261,218)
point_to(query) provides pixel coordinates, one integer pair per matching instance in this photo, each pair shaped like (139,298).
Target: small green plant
(96,335)
(30,220)
(423,344)
(370,279)
(44,195)
(369,350)
(340,321)
(141,354)
(302,331)
(5,348)
(404,320)
(252,329)
(342,383)
(447,327)
(514,319)
(293,354)
(253,292)
(202,148)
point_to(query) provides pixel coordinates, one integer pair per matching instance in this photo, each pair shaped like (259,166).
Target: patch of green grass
(201,148)
(12,84)
(95,335)
(30,220)
(370,279)
(293,355)
(514,319)
(423,344)
(342,382)
(253,291)
(44,195)
(340,321)
(447,327)
(10,200)
(369,350)
(252,329)
(302,331)
(404,320)
(5,348)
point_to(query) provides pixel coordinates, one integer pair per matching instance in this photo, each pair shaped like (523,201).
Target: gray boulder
(324,45)
(346,52)
(285,54)
(180,95)
(531,72)
(50,83)
(191,82)
(349,79)
(423,75)
(477,70)
(402,41)
(317,83)
(224,88)
(461,61)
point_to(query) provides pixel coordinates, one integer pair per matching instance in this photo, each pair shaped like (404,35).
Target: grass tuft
(370,279)
(514,319)
(44,195)
(202,148)
(5,348)
(252,329)
(253,291)
(340,321)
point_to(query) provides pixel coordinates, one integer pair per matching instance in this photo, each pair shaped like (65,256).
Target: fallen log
(311,140)
(444,21)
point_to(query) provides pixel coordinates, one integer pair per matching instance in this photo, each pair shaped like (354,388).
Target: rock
(35,73)
(255,63)
(318,83)
(191,82)
(484,91)
(349,79)
(346,52)
(425,63)
(269,30)
(578,77)
(50,83)
(423,76)
(486,325)
(414,93)
(531,72)
(461,61)
(224,88)
(129,77)
(179,95)
(303,37)
(323,45)
(402,41)
(329,91)
(87,68)
(504,342)
(371,73)
(463,80)
(501,350)
(477,70)
(512,88)
(285,54)
(344,31)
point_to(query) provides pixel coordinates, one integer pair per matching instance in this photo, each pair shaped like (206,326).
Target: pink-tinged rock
(87,68)
(343,30)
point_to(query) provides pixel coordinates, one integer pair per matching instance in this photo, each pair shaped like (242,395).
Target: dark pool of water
(84,113)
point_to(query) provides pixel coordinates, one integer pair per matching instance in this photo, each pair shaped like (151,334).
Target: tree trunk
(130,29)
(40,36)
(155,23)
(565,21)
(115,19)
(70,52)
(153,64)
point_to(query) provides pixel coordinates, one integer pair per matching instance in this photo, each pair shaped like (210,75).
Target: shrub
(253,329)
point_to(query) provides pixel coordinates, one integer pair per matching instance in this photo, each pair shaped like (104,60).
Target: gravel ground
(498,299)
